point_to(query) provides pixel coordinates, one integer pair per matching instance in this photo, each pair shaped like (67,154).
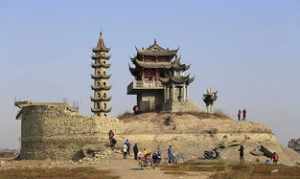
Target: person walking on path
(244,114)
(239,115)
(135,151)
(241,153)
(111,138)
(125,150)
(170,155)
(128,146)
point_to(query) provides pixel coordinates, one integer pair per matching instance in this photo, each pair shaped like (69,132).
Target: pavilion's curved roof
(156,50)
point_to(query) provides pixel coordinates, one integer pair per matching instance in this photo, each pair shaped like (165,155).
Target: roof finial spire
(155,41)
(101,44)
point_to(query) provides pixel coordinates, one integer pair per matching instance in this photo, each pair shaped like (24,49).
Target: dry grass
(222,170)
(55,173)
(259,172)
(194,166)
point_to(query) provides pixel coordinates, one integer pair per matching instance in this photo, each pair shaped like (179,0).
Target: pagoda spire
(100,88)
(101,45)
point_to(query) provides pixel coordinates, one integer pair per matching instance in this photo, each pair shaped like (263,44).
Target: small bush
(168,121)
(125,115)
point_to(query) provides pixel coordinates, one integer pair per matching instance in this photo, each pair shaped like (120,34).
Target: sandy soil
(126,169)
(129,169)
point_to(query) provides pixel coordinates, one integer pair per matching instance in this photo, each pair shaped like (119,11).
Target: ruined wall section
(54,131)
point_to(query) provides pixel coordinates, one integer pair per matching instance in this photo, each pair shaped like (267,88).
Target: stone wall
(150,101)
(53,131)
(187,106)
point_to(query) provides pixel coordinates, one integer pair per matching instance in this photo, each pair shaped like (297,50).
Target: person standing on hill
(241,153)
(111,135)
(244,114)
(135,151)
(239,115)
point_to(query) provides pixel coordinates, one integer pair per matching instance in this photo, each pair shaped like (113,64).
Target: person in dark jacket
(241,152)
(239,115)
(244,114)
(135,151)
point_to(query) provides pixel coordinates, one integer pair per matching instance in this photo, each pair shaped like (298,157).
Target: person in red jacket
(275,158)
(136,109)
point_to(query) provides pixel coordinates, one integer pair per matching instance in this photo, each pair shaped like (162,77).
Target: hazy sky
(247,50)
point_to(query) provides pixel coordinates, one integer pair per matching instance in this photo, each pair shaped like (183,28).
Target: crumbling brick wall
(53,131)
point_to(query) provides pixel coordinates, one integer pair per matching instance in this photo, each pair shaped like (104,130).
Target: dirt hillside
(192,133)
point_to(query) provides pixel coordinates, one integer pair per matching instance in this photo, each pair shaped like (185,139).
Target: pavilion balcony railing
(144,85)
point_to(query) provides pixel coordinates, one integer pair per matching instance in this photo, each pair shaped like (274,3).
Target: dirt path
(126,169)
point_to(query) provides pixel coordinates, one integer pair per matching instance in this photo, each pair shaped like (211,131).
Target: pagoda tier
(100,76)
(101,99)
(99,88)
(100,65)
(96,50)
(100,56)
(99,110)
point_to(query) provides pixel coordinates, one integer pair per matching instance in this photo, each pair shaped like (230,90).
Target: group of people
(154,156)
(145,156)
(274,157)
(242,114)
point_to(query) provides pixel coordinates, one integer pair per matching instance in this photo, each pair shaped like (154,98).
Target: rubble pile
(97,155)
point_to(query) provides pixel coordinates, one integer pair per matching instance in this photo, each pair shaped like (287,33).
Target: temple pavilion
(160,80)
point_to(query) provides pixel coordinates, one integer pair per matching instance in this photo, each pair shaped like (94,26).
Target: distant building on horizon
(160,80)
